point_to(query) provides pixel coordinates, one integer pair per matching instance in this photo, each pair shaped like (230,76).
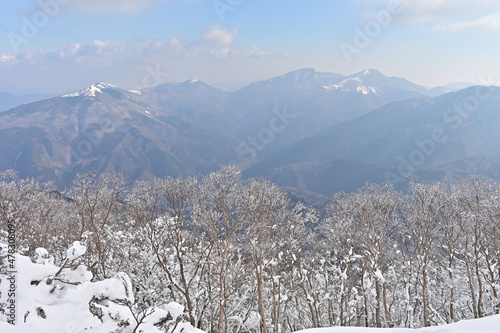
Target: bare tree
(449,225)
(339,230)
(422,213)
(177,195)
(364,229)
(221,211)
(375,211)
(33,207)
(301,256)
(476,197)
(491,239)
(267,215)
(96,199)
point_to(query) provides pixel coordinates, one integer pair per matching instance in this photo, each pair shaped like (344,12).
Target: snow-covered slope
(354,84)
(484,325)
(92,90)
(390,136)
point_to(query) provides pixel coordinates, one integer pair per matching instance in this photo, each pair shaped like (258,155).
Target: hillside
(107,129)
(428,137)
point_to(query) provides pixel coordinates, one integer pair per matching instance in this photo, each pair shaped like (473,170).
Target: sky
(58,46)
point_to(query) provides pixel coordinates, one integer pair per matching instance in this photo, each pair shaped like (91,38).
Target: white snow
(137,92)
(43,255)
(379,275)
(354,83)
(50,299)
(91,91)
(366,90)
(175,309)
(484,325)
(75,251)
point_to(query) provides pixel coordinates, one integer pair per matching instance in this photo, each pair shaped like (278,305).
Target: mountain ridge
(424,135)
(190,127)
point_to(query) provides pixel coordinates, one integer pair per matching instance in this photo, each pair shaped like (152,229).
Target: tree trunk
(424,298)
(388,317)
(342,301)
(365,298)
(261,300)
(452,292)
(378,321)
(220,323)
(471,287)
(276,302)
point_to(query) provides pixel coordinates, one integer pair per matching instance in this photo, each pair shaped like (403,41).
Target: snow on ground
(484,325)
(52,300)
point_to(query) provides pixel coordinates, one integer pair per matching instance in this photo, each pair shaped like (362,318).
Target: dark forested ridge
(240,256)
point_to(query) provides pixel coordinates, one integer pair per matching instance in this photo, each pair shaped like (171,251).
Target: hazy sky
(63,45)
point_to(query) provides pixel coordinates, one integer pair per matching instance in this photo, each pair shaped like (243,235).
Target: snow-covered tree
(96,199)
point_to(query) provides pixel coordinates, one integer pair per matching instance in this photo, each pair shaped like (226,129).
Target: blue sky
(63,45)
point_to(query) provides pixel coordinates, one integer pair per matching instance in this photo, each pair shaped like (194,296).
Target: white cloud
(254,51)
(32,57)
(485,23)
(7,58)
(439,13)
(67,52)
(7,61)
(215,35)
(128,64)
(214,43)
(238,53)
(220,54)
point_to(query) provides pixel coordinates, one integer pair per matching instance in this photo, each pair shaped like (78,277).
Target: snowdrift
(52,299)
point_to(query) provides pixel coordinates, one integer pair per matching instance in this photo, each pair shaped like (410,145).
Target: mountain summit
(92,90)
(107,129)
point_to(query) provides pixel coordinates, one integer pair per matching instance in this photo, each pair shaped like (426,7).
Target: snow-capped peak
(366,90)
(304,72)
(193,81)
(369,71)
(92,90)
(352,83)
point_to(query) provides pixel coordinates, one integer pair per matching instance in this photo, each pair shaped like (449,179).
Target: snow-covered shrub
(63,298)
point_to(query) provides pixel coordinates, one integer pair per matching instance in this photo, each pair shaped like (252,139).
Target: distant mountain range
(315,133)
(9,101)
(452,134)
